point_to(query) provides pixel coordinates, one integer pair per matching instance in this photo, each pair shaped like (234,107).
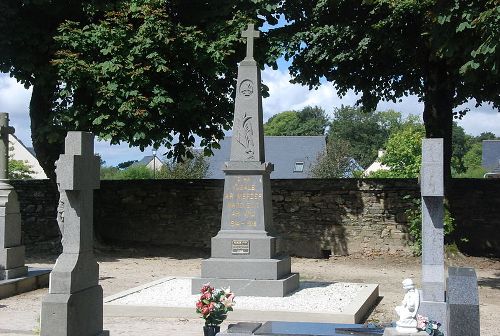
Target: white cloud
(14,99)
(115,154)
(286,96)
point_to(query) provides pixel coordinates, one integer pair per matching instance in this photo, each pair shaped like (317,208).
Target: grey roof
(31,150)
(491,154)
(283,151)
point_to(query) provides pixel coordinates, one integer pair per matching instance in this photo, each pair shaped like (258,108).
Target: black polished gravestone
(278,328)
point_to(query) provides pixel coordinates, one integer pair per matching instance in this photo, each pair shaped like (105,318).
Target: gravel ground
(311,297)
(122,269)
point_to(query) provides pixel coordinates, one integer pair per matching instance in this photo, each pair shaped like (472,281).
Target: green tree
(190,168)
(469,153)
(472,161)
(27,46)
(284,123)
(445,52)
(461,143)
(335,162)
(403,154)
(365,132)
(308,121)
(135,172)
(126,164)
(19,169)
(109,173)
(138,71)
(148,69)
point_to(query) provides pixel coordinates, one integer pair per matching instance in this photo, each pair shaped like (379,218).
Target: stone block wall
(38,201)
(313,217)
(342,216)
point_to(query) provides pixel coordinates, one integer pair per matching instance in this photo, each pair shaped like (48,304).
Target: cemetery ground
(124,268)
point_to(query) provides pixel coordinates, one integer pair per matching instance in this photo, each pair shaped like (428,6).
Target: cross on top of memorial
(250,34)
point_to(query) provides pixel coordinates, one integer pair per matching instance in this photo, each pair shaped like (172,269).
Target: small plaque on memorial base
(240,247)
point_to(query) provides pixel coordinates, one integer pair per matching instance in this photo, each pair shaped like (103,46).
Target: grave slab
(283,328)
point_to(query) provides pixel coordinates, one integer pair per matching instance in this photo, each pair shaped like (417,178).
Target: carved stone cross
(250,34)
(5,130)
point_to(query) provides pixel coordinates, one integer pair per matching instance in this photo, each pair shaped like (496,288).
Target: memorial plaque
(240,247)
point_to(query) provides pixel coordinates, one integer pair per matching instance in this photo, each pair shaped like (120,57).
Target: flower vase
(210,330)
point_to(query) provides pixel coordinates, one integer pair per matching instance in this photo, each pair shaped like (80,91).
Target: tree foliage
(403,154)
(153,72)
(195,167)
(19,169)
(445,52)
(27,30)
(142,71)
(365,132)
(335,162)
(126,164)
(308,121)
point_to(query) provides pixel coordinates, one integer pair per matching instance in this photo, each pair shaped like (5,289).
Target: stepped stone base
(251,287)
(259,269)
(78,313)
(33,279)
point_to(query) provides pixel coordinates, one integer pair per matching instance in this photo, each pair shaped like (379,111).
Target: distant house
(150,161)
(18,151)
(376,165)
(491,158)
(292,156)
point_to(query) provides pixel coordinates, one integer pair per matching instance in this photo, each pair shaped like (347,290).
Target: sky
(14,99)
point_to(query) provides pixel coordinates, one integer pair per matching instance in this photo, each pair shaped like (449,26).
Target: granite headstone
(244,254)
(74,305)
(463,302)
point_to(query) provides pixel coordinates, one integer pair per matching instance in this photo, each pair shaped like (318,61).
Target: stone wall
(38,202)
(313,217)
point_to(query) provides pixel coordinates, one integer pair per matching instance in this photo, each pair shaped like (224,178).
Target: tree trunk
(438,110)
(47,139)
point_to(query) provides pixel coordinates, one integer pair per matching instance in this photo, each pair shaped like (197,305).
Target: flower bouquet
(429,326)
(213,306)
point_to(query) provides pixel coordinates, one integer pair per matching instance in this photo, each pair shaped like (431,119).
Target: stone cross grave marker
(74,304)
(433,303)
(12,253)
(5,130)
(244,252)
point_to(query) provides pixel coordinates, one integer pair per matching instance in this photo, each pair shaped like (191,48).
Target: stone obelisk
(244,252)
(74,304)
(11,251)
